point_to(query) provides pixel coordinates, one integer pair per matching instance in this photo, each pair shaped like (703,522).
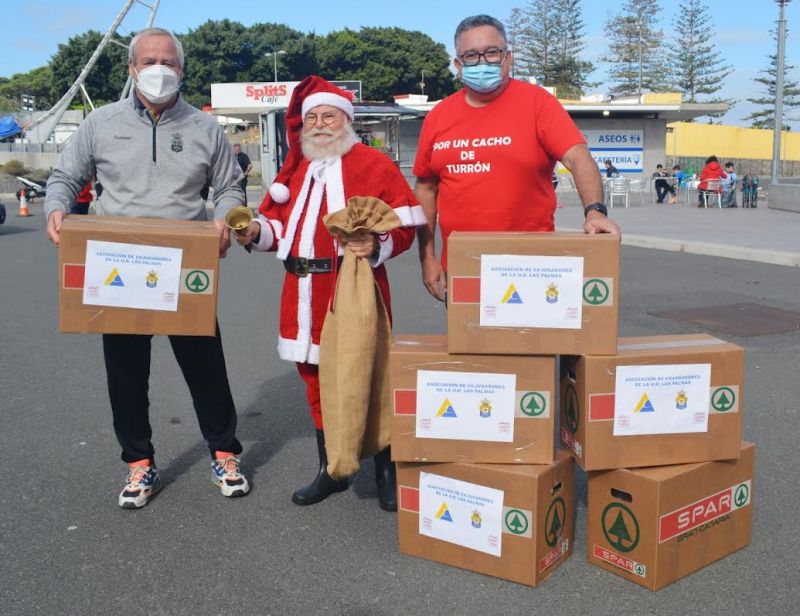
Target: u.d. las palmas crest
(475,519)
(152,279)
(551,293)
(681,400)
(485,408)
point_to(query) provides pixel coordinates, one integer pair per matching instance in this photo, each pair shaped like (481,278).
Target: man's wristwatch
(595,207)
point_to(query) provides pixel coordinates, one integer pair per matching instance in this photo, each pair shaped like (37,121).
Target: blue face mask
(482,77)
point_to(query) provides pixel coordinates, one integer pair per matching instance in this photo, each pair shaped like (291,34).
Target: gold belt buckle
(301,267)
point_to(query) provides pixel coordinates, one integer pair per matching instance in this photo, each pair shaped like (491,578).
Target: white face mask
(157,83)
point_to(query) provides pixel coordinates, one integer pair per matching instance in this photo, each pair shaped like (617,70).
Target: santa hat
(309,93)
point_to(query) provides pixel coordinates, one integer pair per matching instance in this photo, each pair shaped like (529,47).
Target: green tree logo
(533,404)
(197,281)
(554,521)
(741,495)
(723,399)
(618,521)
(595,291)
(571,408)
(516,521)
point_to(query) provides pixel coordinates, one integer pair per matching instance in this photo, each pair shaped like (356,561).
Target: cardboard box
(590,403)
(655,525)
(523,538)
(136,263)
(532,293)
(466,410)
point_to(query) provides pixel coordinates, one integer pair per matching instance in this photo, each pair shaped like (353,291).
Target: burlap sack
(354,348)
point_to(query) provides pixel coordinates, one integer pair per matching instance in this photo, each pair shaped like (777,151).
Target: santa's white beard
(322,143)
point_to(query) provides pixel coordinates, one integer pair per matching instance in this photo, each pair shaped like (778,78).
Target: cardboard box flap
(528,470)
(127,226)
(661,473)
(672,344)
(406,343)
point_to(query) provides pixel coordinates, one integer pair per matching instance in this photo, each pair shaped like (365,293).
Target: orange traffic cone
(23,203)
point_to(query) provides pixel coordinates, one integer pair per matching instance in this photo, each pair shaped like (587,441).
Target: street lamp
(275,55)
(778,123)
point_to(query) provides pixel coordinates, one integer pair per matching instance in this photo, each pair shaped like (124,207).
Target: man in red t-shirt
(486,154)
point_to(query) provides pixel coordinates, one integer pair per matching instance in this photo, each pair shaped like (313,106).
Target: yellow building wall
(703,140)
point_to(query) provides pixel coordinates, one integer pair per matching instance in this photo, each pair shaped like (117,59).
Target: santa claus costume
(291,224)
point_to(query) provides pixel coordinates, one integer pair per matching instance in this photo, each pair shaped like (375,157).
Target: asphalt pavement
(68,549)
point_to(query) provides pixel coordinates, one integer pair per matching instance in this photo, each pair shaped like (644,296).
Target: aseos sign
(254,96)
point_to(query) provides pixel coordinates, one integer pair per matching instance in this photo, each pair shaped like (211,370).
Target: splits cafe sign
(257,96)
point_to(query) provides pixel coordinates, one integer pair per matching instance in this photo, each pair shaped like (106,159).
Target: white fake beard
(319,144)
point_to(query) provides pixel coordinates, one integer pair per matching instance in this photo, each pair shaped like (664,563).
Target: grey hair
(150,32)
(476,21)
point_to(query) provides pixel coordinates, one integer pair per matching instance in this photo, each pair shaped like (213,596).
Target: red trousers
(310,375)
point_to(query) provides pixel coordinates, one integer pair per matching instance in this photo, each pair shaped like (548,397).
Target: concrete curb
(710,249)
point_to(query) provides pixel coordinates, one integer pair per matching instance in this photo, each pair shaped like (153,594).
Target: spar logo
(704,511)
(723,399)
(554,521)
(511,296)
(623,562)
(620,527)
(571,408)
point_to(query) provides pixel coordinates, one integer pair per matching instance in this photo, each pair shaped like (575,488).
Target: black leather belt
(303,267)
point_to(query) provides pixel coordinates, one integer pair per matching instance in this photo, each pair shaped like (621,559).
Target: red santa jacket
(295,229)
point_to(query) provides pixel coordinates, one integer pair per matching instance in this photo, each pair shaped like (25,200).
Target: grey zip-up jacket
(148,169)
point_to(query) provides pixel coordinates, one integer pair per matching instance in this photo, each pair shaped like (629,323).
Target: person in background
(729,187)
(611,170)
(662,186)
(247,166)
(83,201)
(711,171)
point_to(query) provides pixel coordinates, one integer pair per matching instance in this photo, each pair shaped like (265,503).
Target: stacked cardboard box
(656,420)
(480,483)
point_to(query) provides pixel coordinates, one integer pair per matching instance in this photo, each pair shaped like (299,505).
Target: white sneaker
(226,474)
(142,483)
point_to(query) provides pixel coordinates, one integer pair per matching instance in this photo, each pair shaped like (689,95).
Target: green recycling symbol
(572,410)
(595,291)
(741,495)
(516,522)
(554,521)
(533,404)
(614,525)
(197,281)
(723,399)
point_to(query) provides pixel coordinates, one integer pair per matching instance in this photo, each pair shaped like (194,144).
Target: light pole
(778,124)
(275,55)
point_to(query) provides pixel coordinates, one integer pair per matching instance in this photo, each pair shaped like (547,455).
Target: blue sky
(742,27)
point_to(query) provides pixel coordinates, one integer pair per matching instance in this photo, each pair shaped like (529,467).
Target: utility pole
(778,124)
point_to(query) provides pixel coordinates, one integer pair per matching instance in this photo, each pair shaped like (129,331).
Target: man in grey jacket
(153,153)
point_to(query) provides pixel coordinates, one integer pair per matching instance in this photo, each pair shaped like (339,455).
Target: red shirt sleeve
(555,130)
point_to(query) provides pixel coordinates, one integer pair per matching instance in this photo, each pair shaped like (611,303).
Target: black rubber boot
(386,480)
(323,485)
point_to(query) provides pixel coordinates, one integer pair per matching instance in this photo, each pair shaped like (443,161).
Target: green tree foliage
(105,81)
(387,61)
(697,67)
(635,50)
(37,82)
(300,59)
(765,116)
(549,38)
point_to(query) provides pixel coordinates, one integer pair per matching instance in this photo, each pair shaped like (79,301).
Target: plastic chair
(618,187)
(713,189)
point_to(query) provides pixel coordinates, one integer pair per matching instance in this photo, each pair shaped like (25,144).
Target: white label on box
(459,512)
(531,291)
(668,399)
(471,406)
(132,276)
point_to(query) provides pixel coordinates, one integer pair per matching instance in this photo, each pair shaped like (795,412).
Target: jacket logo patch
(177,142)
